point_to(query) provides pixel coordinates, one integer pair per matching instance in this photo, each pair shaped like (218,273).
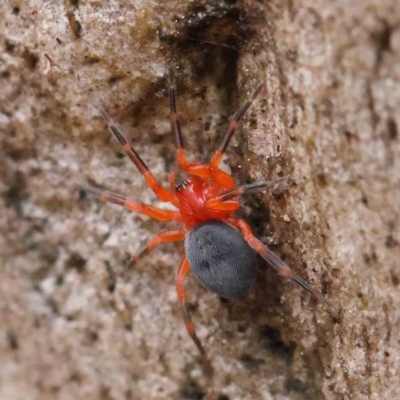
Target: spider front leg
(162,193)
(272,259)
(176,126)
(179,282)
(163,237)
(212,169)
(217,157)
(201,170)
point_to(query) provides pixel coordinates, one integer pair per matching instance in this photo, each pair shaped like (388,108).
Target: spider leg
(204,171)
(153,212)
(238,191)
(175,124)
(201,170)
(230,205)
(272,259)
(216,158)
(162,193)
(179,279)
(163,237)
(171,179)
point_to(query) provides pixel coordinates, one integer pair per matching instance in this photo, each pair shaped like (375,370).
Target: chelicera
(220,248)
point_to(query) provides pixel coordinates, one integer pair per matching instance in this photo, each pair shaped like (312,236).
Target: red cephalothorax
(220,248)
(196,196)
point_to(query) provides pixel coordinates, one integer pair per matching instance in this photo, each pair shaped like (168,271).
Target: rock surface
(76,323)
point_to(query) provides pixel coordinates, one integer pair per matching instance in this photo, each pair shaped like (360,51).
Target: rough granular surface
(76,322)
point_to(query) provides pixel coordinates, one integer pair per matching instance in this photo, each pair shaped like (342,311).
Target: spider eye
(181,185)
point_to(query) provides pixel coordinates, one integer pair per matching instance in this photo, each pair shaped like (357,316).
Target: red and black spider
(220,248)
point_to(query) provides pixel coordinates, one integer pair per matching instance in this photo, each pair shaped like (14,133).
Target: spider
(220,249)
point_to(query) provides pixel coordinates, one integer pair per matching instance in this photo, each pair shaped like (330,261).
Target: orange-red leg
(175,124)
(230,205)
(236,192)
(153,212)
(216,158)
(171,179)
(162,193)
(204,171)
(272,259)
(223,178)
(163,237)
(179,282)
(201,170)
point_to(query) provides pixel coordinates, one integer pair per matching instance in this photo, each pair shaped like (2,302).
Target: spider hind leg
(179,282)
(274,260)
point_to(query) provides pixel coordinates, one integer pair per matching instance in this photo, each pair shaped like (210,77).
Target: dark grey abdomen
(221,259)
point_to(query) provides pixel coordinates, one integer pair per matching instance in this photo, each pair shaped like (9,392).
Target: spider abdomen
(221,259)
